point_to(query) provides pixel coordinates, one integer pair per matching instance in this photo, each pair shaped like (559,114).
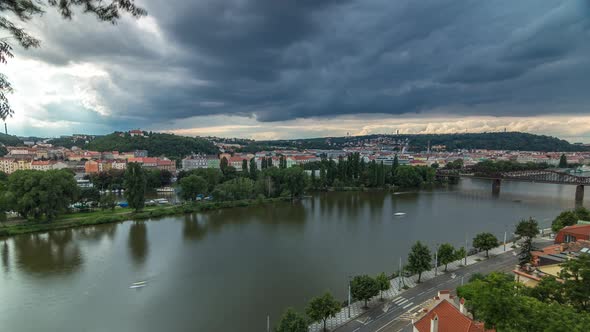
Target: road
(393,316)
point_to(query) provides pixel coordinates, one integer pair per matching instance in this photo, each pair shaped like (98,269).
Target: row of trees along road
(114,179)
(318,309)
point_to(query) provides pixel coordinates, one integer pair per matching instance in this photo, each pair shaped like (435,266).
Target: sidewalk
(356,308)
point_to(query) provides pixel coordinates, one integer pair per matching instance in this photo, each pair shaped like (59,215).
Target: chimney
(434,324)
(462,307)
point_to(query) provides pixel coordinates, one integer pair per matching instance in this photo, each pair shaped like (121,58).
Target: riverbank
(122,214)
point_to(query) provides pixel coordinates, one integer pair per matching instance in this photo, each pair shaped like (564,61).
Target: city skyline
(259,70)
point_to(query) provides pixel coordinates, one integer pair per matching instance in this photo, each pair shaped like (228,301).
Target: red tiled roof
(450,319)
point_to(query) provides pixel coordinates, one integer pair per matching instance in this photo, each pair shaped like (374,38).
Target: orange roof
(450,319)
(41,162)
(577,229)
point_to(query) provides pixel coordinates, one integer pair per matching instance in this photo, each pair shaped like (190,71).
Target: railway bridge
(537,176)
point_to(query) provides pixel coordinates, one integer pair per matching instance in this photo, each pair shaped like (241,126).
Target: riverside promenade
(394,305)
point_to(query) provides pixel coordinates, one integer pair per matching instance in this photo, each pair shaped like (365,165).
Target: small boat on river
(399,214)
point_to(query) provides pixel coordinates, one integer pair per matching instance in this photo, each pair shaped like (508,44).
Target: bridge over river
(537,176)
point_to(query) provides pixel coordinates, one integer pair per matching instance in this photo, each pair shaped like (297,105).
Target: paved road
(393,316)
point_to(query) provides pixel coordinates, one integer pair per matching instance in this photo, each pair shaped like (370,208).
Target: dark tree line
(353,171)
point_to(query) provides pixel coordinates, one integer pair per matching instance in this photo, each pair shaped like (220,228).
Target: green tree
(135,186)
(323,307)
(245,167)
(419,259)
(461,253)
(563,161)
(41,193)
(395,163)
(295,180)
(108,201)
(26,10)
(548,290)
(569,218)
(89,196)
(292,321)
(407,177)
(383,284)
(526,230)
(191,186)
(223,165)
(364,288)
(253,169)
(446,254)
(484,242)
(576,276)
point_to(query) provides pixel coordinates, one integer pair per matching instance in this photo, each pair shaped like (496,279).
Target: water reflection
(97,233)
(138,243)
(47,254)
(5,257)
(191,229)
(196,226)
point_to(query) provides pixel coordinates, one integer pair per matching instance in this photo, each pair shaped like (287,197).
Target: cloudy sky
(307,68)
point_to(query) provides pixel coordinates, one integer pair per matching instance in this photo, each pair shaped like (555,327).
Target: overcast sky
(307,68)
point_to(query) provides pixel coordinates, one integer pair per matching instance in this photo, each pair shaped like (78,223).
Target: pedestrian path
(356,308)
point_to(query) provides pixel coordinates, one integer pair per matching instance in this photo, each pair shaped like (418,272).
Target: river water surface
(227,270)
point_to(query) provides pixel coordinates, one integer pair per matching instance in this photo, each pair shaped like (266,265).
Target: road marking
(384,326)
(407,305)
(399,300)
(402,302)
(358,328)
(421,293)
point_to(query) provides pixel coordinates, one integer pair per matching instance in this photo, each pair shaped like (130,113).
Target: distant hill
(491,141)
(157,144)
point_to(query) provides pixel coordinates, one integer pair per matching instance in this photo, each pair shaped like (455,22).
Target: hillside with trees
(10,140)
(419,142)
(157,144)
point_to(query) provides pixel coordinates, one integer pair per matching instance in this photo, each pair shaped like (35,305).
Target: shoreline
(97,217)
(113,216)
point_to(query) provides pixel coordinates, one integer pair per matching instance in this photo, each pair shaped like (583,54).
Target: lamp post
(349,281)
(436,260)
(400,274)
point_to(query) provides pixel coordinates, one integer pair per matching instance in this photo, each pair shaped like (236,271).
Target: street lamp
(349,282)
(436,260)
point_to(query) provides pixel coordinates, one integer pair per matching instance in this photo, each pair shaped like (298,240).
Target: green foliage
(419,259)
(112,179)
(191,186)
(446,254)
(526,230)
(292,321)
(505,305)
(36,193)
(491,168)
(236,189)
(484,242)
(364,288)
(407,177)
(9,140)
(576,276)
(548,290)
(563,161)
(569,218)
(68,142)
(89,196)
(419,142)
(157,144)
(455,164)
(108,201)
(156,178)
(322,307)
(212,175)
(135,186)
(383,283)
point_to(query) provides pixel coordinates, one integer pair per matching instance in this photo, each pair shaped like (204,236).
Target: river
(227,270)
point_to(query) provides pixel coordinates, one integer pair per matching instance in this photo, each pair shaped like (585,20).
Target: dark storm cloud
(287,59)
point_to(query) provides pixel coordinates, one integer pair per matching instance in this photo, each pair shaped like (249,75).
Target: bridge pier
(579,193)
(496,186)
